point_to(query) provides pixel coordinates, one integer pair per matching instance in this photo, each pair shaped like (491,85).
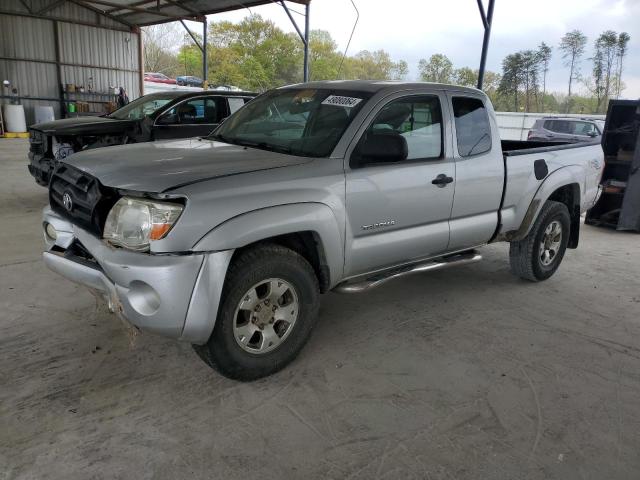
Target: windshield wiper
(248,143)
(222,138)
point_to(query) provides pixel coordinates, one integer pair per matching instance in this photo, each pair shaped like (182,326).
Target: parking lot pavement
(465,373)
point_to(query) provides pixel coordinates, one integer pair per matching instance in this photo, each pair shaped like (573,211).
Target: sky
(415,29)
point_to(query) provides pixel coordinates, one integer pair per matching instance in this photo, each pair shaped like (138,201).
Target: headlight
(133,223)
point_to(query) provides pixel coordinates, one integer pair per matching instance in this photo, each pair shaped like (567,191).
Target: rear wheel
(268,309)
(537,256)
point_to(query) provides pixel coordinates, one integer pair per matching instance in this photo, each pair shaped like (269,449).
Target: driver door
(191,118)
(399,212)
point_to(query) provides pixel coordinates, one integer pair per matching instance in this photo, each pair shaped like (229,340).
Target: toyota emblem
(67,201)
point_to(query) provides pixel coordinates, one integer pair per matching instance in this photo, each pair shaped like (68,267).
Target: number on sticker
(340,101)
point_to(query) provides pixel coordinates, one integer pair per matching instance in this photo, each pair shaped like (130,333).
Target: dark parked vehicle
(158,116)
(189,81)
(566,129)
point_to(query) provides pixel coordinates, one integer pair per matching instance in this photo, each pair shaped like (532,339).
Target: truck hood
(84,126)
(161,166)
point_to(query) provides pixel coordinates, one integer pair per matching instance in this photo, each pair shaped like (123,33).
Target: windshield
(305,122)
(143,106)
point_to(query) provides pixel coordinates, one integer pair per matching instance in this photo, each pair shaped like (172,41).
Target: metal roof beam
(139,10)
(24,4)
(83,4)
(195,40)
(50,7)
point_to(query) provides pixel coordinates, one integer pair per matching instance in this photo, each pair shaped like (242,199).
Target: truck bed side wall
(525,194)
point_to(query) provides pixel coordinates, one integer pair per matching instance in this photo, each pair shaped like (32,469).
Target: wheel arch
(561,186)
(310,229)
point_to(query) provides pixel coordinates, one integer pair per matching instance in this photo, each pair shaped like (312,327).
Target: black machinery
(619,204)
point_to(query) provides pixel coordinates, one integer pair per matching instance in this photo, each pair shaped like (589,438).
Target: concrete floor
(466,373)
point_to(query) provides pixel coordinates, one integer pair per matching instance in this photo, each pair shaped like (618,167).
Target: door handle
(442,180)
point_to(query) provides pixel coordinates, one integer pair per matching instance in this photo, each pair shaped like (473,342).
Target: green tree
(544,55)
(512,78)
(572,46)
(190,60)
(324,59)
(438,69)
(606,53)
(465,76)
(400,70)
(623,41)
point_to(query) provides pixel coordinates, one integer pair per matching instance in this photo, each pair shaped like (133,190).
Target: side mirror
(592,134)
(382,148)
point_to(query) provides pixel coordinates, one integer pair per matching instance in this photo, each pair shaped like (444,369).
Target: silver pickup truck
(227,241)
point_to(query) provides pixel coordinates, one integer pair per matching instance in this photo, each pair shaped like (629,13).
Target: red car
(158,78)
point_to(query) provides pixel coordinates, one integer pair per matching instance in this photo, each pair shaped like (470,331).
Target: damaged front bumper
(172,295)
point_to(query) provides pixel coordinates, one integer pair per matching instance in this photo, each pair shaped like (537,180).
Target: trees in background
(544,55)
(158,44)
(437,69)
(572,46)
(255,54)
(623,41)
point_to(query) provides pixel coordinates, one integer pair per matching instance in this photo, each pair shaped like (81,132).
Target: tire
(257,274)
(531,258)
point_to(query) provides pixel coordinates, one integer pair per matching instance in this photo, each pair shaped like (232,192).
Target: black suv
(157,116)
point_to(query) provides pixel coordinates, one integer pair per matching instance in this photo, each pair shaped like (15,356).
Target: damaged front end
(49,146)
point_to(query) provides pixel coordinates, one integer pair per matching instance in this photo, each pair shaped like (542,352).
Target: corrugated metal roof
(150,12)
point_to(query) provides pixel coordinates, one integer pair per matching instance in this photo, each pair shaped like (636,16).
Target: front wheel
(268,309)
(537,256)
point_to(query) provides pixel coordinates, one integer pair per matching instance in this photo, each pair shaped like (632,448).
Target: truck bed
(512,148)
(534,162)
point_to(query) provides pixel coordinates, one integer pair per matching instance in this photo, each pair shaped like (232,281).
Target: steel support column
(303,36)
(486,21)
(204,50)
(306,43)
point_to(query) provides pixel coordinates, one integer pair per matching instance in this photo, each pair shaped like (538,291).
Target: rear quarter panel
(524,192)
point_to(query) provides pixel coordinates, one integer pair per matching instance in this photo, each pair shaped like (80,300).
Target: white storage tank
(14,119)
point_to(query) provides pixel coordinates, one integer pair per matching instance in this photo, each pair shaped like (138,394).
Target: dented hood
(161,166)
(84,126)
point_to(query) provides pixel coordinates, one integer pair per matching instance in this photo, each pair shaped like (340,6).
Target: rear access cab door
(479,167)
(398,212)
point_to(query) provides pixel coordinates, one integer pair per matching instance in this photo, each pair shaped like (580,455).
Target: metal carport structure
(142,13)
(45,44)
(57,39)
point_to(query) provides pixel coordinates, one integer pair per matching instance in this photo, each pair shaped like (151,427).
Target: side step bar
(383,277)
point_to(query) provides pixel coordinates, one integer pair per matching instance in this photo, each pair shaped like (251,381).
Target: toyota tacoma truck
(227,241)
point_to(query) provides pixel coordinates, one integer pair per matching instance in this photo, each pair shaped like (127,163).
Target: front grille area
(90,201)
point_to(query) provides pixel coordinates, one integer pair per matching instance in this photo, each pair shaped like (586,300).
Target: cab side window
(584,128)
(473,130)
(194,112)
(558,126)
(418,119)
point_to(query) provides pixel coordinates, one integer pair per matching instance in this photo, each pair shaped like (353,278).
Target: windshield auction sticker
(339,101)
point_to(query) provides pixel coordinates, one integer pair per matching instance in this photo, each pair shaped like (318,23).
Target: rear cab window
(473,129)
